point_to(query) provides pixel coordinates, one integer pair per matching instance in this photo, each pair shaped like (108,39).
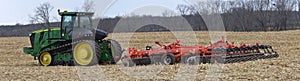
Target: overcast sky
(18,11)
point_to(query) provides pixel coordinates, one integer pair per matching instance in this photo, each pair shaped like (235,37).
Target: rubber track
(70,63)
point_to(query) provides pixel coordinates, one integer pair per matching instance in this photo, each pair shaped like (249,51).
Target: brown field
(15,65)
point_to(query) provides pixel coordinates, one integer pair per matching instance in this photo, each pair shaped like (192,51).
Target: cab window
(68,22)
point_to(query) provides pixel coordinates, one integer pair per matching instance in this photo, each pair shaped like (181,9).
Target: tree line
(237,15)
(250,15)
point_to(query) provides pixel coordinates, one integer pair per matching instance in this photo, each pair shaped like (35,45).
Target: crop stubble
(15,65)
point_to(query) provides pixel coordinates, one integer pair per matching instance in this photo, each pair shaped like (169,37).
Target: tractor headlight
(29,35)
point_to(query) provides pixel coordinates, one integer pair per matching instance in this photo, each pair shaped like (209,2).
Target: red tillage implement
(220,51)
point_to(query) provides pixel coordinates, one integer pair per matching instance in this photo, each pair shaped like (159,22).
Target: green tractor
(75,42)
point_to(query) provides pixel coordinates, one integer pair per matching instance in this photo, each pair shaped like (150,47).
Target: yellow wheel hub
(45,58)
(83,53)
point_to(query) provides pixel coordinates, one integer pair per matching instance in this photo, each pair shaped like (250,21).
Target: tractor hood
(100,34)
(43,30)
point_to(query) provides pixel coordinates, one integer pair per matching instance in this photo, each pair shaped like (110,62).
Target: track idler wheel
(45,59)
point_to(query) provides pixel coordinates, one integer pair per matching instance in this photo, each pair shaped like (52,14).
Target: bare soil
(15,65)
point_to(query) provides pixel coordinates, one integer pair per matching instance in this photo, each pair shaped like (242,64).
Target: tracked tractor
(75,42)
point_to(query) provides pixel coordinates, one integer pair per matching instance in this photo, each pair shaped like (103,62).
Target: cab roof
(76,13)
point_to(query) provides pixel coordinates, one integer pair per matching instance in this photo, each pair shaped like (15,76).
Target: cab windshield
(70,22)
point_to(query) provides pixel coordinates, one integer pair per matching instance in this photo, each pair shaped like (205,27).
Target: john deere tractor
(75,42)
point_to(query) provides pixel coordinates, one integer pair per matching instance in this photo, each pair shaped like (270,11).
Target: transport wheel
(84,54)
(220,60)
(116,51)
(167,59)
(193,60)
(128,63)
(45,59)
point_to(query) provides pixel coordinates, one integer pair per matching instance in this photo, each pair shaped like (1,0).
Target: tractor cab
(75,25)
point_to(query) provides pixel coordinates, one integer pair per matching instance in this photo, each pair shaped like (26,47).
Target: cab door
(68,22)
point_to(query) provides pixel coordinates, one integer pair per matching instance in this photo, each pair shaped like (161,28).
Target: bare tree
(42,14)
(207,7)
(284,9)
(261,12)
(186,9)
(88,6)
(298,1)
(168,13)
(250,15)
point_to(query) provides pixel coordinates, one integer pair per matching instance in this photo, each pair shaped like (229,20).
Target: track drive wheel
(167,59)
(84,53)
(45,59)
